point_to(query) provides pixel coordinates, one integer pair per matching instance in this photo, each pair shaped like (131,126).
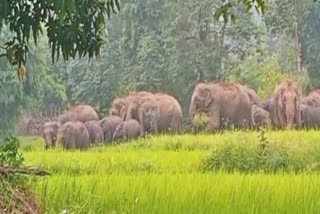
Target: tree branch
(190,37)
(4,170)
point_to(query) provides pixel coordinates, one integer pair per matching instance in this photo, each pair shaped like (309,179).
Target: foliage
(299,150)
(10,155)
(157,173)
(310,36)
(38,91)
(73,27)
(180,193)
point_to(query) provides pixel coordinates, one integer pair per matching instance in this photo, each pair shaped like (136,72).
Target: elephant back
(171,117)
(95,131)
(82,113)
(109,125)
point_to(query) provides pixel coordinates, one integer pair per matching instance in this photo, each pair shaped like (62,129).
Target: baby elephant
(109,125)
(126,130)
(310,116)
(260,116)
(95,131)
(49,134)
(73,135)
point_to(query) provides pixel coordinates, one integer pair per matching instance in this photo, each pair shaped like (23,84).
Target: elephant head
(149,114)
(203,100)
(49,136)
(133,108)
(119,132)
(119,108)
(289,106)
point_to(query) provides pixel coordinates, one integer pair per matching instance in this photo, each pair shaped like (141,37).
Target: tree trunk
(222,48)
(298,50)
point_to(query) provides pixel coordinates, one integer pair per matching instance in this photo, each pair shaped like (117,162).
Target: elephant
(82,113)
(129,129)
(224,103)
(260,116)
(146,111)
(267,104)
(313,99)
(171,117)
(286,105)
(109,125)
(253,96)
(73,135)
(310,116)
(95,132)
(119,106)
(49,133)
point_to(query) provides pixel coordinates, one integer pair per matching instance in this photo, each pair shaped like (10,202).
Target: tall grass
(181,193)
(184,174)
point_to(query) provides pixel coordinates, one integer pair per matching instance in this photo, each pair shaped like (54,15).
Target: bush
(270,157)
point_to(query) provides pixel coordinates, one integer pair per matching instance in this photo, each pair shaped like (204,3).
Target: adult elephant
(73,135)
(223,103)
(171,117)
(313,99)
(82,113)
(310,116)
(109,125)
(255,99)
(146,111)
(286,105)
(119,106)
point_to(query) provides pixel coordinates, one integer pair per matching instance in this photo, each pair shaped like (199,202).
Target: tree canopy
(72,27)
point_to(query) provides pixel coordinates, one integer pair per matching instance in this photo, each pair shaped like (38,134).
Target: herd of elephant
(130,117)
(225,104)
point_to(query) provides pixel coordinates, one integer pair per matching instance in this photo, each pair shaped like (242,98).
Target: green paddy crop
(229,172)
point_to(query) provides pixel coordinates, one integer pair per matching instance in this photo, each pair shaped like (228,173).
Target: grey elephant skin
(310,116)
(82,113)
(312,99)
(286,105)
(224,103)
(146,111)
(147,108)
(129,129)
(49,133)
(260,117)
(255,99)
(73,135)
(171,117)
(96,134)
(109,125)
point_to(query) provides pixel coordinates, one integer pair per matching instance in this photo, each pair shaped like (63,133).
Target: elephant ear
(208,99)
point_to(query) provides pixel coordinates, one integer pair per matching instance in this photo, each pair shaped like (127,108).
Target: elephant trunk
(290,115)
(155,120)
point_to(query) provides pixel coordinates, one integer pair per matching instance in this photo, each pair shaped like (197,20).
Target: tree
(73,27)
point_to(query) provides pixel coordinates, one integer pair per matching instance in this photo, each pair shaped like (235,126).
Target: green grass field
(223,173)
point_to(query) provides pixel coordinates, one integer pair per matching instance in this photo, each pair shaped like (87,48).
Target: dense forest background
(167,46)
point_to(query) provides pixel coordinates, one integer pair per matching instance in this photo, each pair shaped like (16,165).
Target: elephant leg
(214,120)
(176,125)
